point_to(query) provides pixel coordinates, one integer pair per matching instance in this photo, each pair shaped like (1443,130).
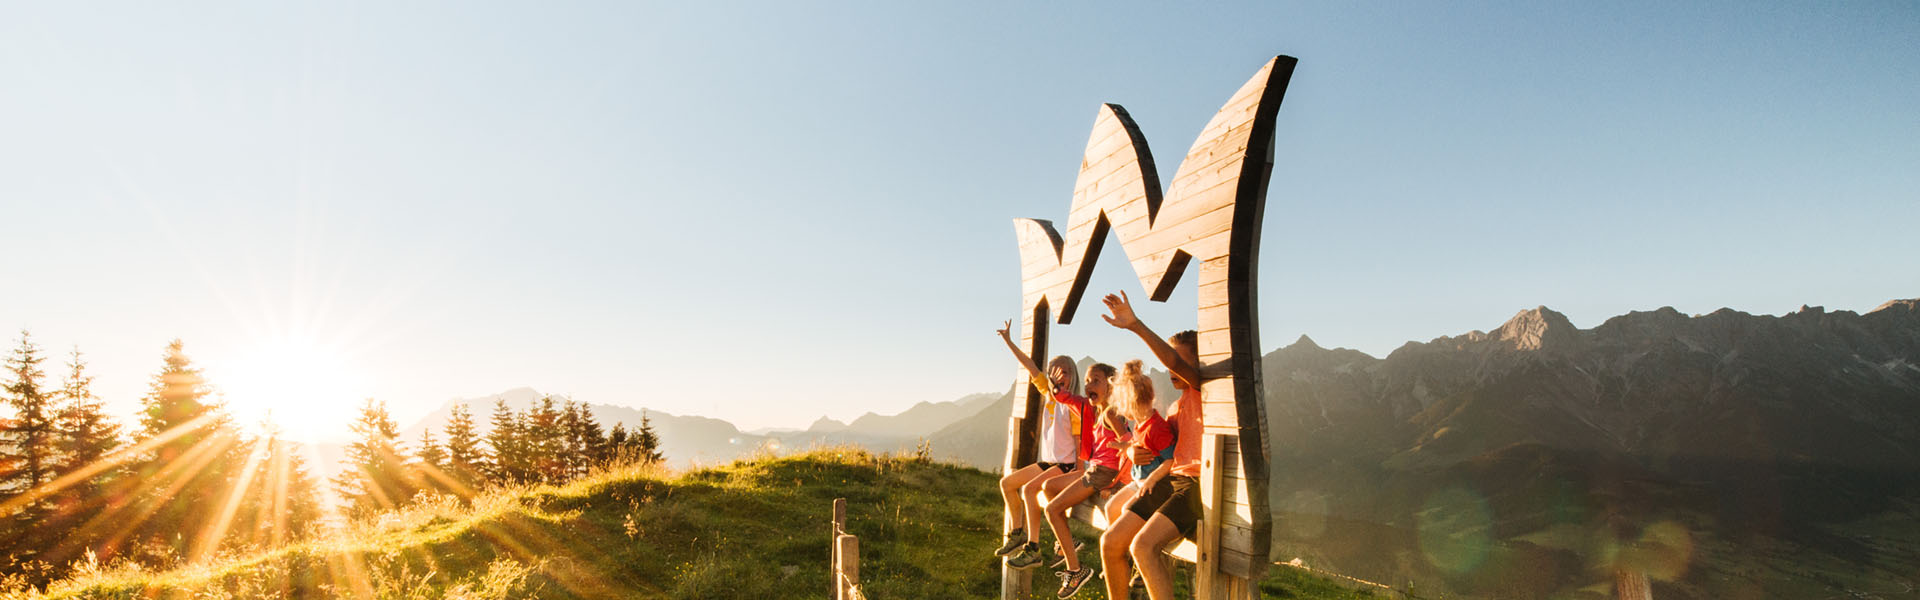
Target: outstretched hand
(1119,311)
(1004,330)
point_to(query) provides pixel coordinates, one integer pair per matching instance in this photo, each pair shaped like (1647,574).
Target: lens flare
(1455,527)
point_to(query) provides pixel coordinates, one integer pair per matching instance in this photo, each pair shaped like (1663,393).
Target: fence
(844,562)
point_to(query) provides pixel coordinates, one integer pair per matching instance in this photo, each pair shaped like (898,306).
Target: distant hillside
(690,440)
(751,530)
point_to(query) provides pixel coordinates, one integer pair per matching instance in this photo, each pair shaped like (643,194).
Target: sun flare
(306,388)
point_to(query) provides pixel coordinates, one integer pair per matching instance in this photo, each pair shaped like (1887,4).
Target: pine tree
(87,434)
(376,477)
(592,440)
(431,470)
(196,458)
(285,496)
(509,445)
(619,447)
(546,441)
(465,460)
(646,442)
(31,435)
(572,456)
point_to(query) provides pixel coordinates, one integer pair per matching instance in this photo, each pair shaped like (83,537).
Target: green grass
(753,529)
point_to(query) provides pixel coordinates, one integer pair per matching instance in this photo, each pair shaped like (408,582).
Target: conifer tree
(646,442)
(618,444)
(433,461)
(592,440)
(286,497)
(545,441)
(509,445)
(465,460)
(573,457)
(376,477)
(184,478)
(31,434)
(87,434)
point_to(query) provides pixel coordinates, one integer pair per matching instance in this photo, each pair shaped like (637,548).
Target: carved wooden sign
(1210,216)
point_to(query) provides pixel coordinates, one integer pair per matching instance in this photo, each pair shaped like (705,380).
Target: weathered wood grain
(1208,222)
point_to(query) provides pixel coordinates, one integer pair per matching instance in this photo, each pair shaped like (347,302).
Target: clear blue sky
(766,213)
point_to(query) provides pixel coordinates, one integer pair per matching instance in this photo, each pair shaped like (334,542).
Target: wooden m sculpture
(1209,217)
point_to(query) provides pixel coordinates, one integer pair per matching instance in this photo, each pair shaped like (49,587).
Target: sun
(308,389)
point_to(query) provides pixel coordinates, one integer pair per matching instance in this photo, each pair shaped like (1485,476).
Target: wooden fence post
(847,570)
(839,526)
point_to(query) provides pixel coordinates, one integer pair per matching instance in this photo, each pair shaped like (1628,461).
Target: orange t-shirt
(1185,418)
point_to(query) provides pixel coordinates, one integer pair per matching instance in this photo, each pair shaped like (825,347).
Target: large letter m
(1210,216)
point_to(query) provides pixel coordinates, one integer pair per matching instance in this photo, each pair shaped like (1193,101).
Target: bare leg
(1113,553)
(1158,532)
(1118,503)
(1075,493)
(1010,491)
(1030,494)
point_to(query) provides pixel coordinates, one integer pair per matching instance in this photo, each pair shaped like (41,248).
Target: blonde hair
(1073,372)
(1133,392)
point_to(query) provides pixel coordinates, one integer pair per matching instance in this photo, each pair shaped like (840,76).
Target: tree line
(550,442)
(185,482)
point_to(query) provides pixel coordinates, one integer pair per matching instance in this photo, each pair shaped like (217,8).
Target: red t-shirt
(1083,416)
(1156,434)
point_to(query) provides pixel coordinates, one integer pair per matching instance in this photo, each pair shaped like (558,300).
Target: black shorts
(1063,467)
(1177,497)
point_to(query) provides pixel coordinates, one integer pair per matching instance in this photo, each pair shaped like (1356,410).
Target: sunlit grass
(756,528)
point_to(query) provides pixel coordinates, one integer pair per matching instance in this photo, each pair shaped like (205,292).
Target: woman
(1059,453)
(1170,508)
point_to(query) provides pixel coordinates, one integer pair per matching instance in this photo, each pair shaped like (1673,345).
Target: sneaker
(1028,557)
(1070,581)
(1015,540)
(1059,563)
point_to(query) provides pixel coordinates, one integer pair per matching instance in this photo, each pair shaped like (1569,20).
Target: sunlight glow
(308,388)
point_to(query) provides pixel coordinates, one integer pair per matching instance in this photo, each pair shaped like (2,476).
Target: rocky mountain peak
(1909,305)
(1535,329)
(1305,343)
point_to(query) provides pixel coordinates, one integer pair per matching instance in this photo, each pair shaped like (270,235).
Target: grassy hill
(753,529)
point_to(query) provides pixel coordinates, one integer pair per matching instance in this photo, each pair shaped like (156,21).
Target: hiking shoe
(1070,581)
(1028,557)
(1015,540)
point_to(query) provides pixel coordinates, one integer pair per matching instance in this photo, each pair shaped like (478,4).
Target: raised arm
(1120,314)
(1025,361)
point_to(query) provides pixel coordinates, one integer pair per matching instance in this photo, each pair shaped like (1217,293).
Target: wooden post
(1631,584)
(847,570)
(1210,217)
(838,526)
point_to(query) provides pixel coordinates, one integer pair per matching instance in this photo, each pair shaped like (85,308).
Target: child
(1059,452)
(1153,437)
(1100,450)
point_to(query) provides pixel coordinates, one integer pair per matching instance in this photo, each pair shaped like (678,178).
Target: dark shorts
(1177,497)
(1099,477)
(1063,467)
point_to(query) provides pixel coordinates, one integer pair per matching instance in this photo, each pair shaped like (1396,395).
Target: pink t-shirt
(1185,418)
(1106,447)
